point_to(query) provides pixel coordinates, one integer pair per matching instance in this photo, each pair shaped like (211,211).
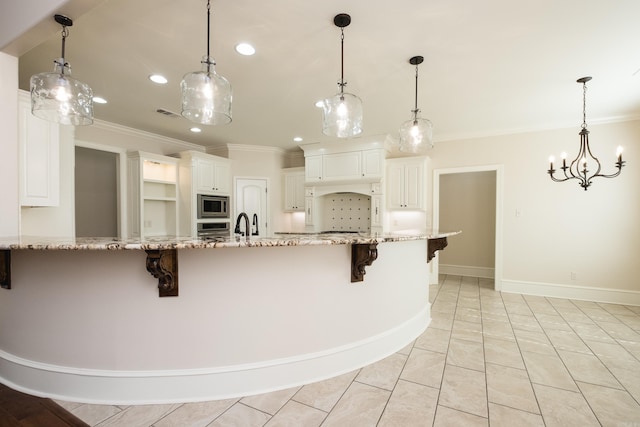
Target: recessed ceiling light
(195,130)
(297,139)
(99,100)
(245,49)
(157,78)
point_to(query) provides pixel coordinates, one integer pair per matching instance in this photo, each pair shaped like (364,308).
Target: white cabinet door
(205,176)
(342,166)
(39,158)
(406,183)
(372,163)
(376,211)
(309,211)
(222,181)
(313,168)
(212,177)
(294,191)
(414,186)
(395,188)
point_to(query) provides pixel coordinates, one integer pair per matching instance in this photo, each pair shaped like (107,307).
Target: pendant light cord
(342,83)
(65,33)
(584,105)
(415,111)
(208,58)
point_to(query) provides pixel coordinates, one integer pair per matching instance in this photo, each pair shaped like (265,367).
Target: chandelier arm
(552,171)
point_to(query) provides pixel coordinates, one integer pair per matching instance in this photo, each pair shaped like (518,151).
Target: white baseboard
(613,296)
(176,386)
(468,271)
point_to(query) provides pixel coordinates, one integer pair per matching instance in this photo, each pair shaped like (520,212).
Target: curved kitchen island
(82,320)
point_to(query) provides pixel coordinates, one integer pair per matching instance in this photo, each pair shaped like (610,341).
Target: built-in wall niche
(346,212)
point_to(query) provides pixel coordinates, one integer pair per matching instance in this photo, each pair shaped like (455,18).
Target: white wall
(561,228)
(261,162)
(9,208)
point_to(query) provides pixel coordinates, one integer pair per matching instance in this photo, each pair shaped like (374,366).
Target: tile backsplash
(347,212)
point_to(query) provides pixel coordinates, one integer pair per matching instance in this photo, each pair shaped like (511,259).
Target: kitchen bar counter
(162,243)
(82,320)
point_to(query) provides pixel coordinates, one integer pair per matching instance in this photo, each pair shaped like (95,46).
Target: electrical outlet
(147,223)
(573,275)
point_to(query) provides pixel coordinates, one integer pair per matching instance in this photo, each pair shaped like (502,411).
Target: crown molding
(151,137)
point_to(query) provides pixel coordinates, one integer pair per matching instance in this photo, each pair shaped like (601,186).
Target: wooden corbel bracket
(434,245)
(362,255)
(163,265)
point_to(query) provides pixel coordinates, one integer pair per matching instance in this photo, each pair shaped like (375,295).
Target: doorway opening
(98,190)
(476,209)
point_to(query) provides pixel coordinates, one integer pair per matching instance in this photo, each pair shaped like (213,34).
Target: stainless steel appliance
(213,229)
(213,206)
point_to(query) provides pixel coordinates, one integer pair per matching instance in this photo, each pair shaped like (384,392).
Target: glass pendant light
(58,97)
(342,113)
(206,95)
(416,134)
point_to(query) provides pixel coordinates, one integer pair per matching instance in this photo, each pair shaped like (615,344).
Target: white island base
(88,326)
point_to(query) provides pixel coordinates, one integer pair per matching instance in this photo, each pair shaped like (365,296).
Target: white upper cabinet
(360,165)
(294,179)
(313,168)
(406,183)
(39,142)
(342,166)
(372,163)
(212,176)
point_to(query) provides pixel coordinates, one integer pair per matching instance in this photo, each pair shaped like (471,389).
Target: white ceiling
(491,66)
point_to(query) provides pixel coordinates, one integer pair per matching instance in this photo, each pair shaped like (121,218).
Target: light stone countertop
(169,242)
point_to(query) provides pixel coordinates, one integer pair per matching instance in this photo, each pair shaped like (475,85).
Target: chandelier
(206,95)
(342,113)
(416,134)
(58,97)
(579,167)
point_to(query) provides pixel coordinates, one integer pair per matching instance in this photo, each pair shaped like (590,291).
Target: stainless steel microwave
(213,206)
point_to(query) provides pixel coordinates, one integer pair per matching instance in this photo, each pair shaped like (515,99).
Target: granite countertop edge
(171,242)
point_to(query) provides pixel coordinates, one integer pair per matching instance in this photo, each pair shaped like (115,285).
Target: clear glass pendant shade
(60,98)
(416,136)
(342,116)
(206,95)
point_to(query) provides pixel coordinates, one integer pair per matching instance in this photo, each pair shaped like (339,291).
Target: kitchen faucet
(255,223)
(247,228)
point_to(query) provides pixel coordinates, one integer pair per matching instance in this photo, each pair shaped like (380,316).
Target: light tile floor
(488,358)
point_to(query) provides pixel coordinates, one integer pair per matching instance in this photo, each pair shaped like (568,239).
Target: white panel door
(251,198)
